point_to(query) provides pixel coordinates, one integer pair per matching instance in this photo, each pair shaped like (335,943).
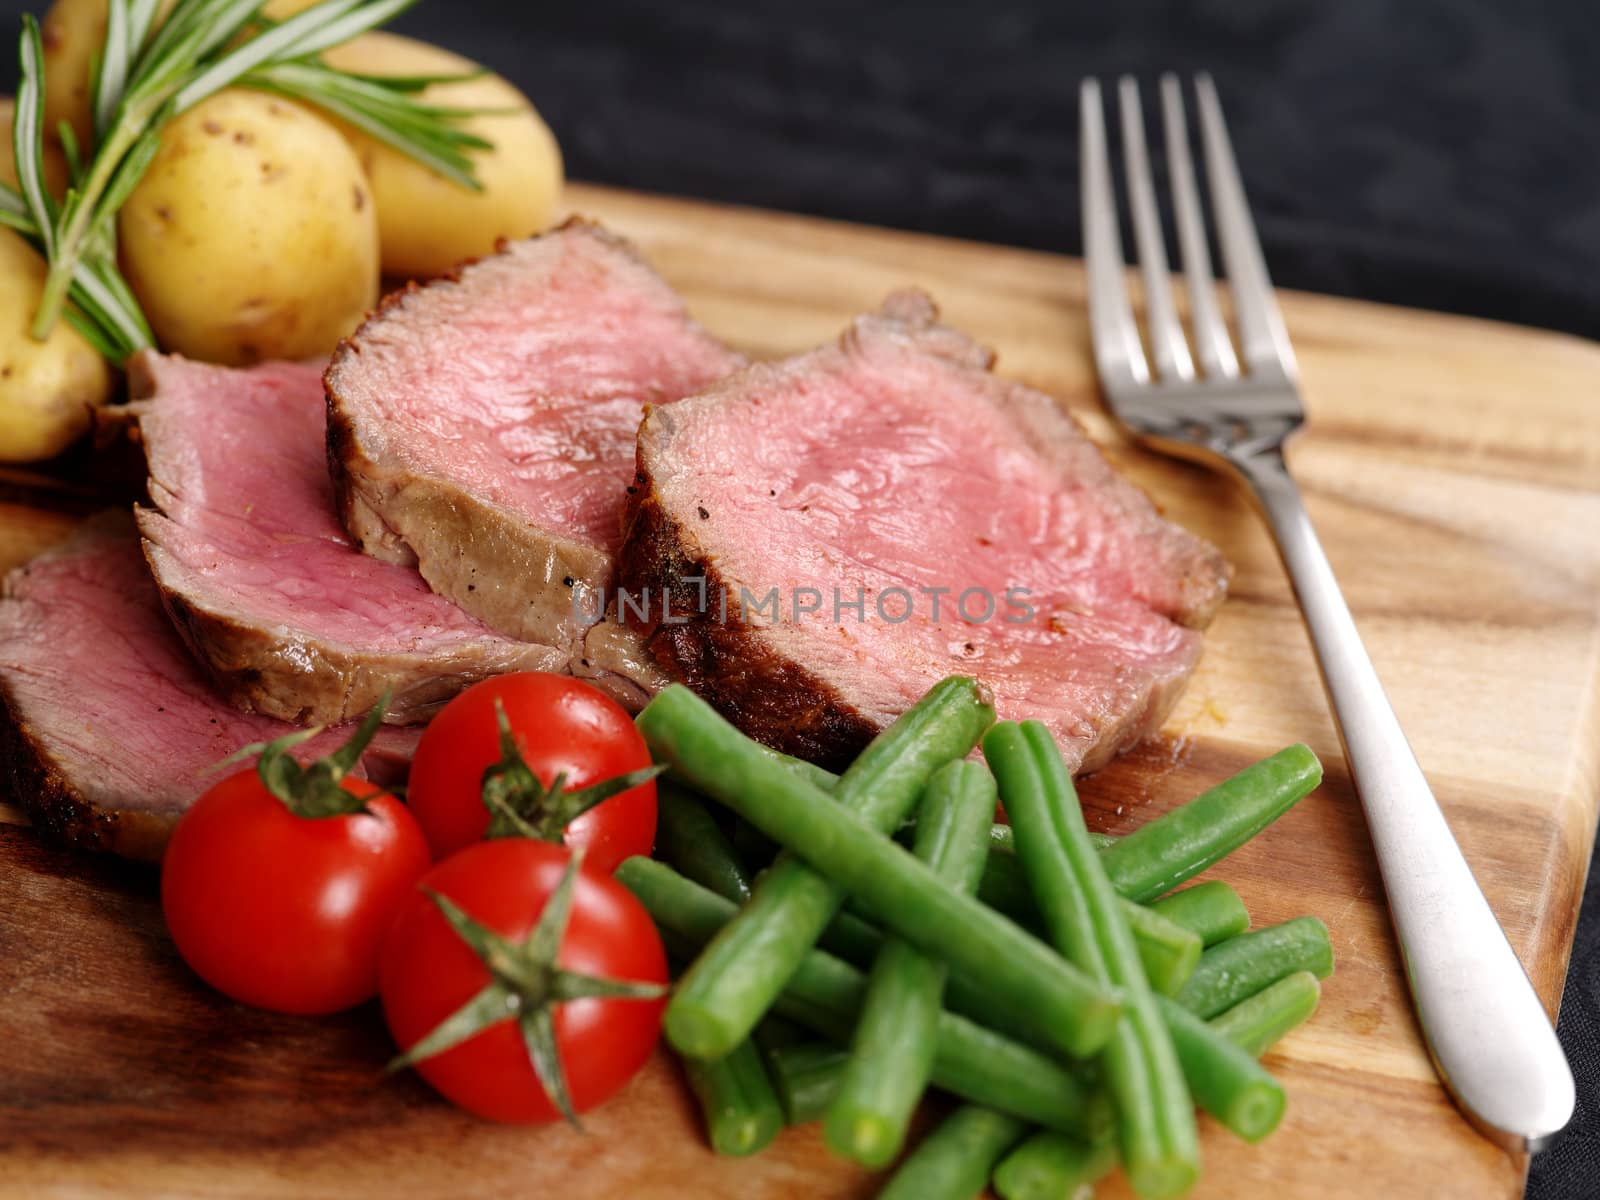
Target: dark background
(1437,153)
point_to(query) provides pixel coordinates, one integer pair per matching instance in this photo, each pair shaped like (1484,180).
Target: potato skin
(253,234)
(48,389)
(72,32)
(429,224)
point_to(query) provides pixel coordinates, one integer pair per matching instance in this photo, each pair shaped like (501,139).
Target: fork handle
(1485,1027)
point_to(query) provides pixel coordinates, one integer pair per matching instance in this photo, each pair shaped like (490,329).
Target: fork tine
(1262,336)
(1212,344)
(1167,342)
(1117,351)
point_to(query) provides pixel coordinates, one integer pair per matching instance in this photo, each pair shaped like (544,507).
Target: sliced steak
(109,729)
(482,427)
(287,615)
(895,460)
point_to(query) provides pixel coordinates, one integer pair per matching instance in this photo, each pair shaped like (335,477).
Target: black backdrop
(1436,153)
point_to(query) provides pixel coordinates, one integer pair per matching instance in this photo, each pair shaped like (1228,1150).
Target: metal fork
(1488,1034)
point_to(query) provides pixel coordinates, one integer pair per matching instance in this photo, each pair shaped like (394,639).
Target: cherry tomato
(561,725)
(429,972)
(282,911)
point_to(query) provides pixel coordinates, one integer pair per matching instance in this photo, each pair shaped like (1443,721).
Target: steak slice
(110,730)
(482,427)
(895,460)
(265,587)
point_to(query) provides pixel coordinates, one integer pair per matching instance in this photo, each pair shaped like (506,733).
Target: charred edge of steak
(58,811)
(772,699)
(341,449)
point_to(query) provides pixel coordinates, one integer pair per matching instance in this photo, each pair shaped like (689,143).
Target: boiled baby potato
(253,234)
(48,389)
(72,32)
(55,162)
(429,224)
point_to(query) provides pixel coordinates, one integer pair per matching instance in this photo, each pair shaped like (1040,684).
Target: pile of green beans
(739,976)
(735,981)
(987,958)
(825,995)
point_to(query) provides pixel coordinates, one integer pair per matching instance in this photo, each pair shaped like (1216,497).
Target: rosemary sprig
(389,113)
(142,78)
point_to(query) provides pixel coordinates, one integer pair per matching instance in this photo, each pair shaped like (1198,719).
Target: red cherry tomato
(429,972)
(287,912)
(561,725)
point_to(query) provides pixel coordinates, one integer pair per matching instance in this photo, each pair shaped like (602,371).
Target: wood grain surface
(1453,467)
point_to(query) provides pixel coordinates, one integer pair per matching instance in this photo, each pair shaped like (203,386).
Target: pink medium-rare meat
(482,427)
(262,582)
(109,729)
(895,460)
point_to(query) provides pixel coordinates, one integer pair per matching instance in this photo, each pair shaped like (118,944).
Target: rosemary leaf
(109,75)
(27,134)
(336,33)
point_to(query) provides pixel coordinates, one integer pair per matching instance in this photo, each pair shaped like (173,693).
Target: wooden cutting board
(1453,467)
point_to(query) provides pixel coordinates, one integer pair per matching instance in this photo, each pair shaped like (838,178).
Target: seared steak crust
(58,810)
(772,698)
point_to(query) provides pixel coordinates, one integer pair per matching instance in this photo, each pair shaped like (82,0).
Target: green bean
(1155,1115)
(1078,1013)
(728,988)
(1212,909)
(1003,837)
(891,1054)
(736,1099)
(1256,1024)
(1168,951)
(1178,845)
(755,847)
(818,776)
(691,841)
(1004,886)
(1228,1083)
(1238,968)
(1051,1166)
(825,995)
(806,1077)
(953,1162)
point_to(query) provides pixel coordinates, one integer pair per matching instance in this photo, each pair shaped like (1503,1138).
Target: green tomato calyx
(521,806)
(525,985)
(313,790)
